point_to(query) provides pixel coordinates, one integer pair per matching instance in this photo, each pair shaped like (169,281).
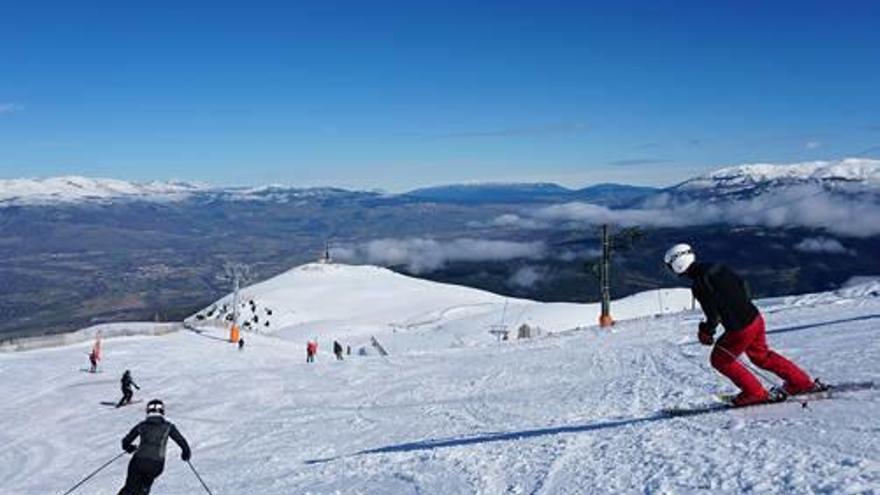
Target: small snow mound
(854,289)
(859,287)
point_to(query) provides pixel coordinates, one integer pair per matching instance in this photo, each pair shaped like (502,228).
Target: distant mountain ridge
(851,175)
(528,193)
(75,189)
(80,251)
(72,189)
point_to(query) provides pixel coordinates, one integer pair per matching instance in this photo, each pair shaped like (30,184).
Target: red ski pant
(753,341)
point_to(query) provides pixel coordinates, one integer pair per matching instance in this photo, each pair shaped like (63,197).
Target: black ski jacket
(723,295)
(154,432)
(127,382)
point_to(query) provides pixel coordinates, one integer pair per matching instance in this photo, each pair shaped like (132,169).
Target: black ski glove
(185,456)
(131,449)
(705,334)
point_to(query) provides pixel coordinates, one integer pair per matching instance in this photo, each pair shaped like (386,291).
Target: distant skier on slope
(311,350)
(95,354)
(337,349)
(725,299)
(148,460)
(93,362)
(127,392)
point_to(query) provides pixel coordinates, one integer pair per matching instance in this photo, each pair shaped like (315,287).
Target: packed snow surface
(573,411)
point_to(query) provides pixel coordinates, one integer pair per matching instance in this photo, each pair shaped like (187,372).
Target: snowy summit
(359,302)
(76,189)
(759,177)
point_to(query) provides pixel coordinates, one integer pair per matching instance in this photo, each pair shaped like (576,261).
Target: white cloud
(421,255)
(527,276)
(806,206)
(512,220)
(9,107)
(822,245)
(568,255)
(811,145)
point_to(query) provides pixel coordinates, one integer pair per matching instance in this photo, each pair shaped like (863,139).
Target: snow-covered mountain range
(847,175)
(78,189)
(449,410)
(99,258)
(73,190)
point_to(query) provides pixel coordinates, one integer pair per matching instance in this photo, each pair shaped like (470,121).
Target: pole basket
(606,321)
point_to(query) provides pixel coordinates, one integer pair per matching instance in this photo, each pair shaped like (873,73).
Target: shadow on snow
(484,438)
(799,328)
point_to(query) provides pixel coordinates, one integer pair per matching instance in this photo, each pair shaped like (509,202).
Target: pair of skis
(108,403)
(725,401)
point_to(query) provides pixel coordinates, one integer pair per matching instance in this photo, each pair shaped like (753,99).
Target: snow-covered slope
(356,302)
(850,173)
(568,413)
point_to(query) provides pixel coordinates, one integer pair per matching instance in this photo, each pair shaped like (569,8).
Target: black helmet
(155,406)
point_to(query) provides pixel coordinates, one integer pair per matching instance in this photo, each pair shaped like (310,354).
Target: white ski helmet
(155,407)
(679,258)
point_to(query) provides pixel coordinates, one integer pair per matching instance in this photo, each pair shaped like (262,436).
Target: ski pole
(199,477)
(751,368)
(87,478)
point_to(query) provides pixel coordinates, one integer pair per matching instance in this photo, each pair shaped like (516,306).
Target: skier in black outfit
(127,392)
(726,300)
(148,460)
(337,349)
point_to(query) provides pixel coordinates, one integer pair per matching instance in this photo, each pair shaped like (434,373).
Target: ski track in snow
(572,413)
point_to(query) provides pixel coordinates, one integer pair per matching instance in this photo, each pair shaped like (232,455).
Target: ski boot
(816,386)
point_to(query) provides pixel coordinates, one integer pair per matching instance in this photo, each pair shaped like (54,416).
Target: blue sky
(395,95)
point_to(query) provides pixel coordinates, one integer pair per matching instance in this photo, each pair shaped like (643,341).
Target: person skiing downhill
(148,460)
(127,392)
(93,362)
(95,354)
(311,350)
(725,299)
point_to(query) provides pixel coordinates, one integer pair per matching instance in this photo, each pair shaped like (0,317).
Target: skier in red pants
(725,299)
